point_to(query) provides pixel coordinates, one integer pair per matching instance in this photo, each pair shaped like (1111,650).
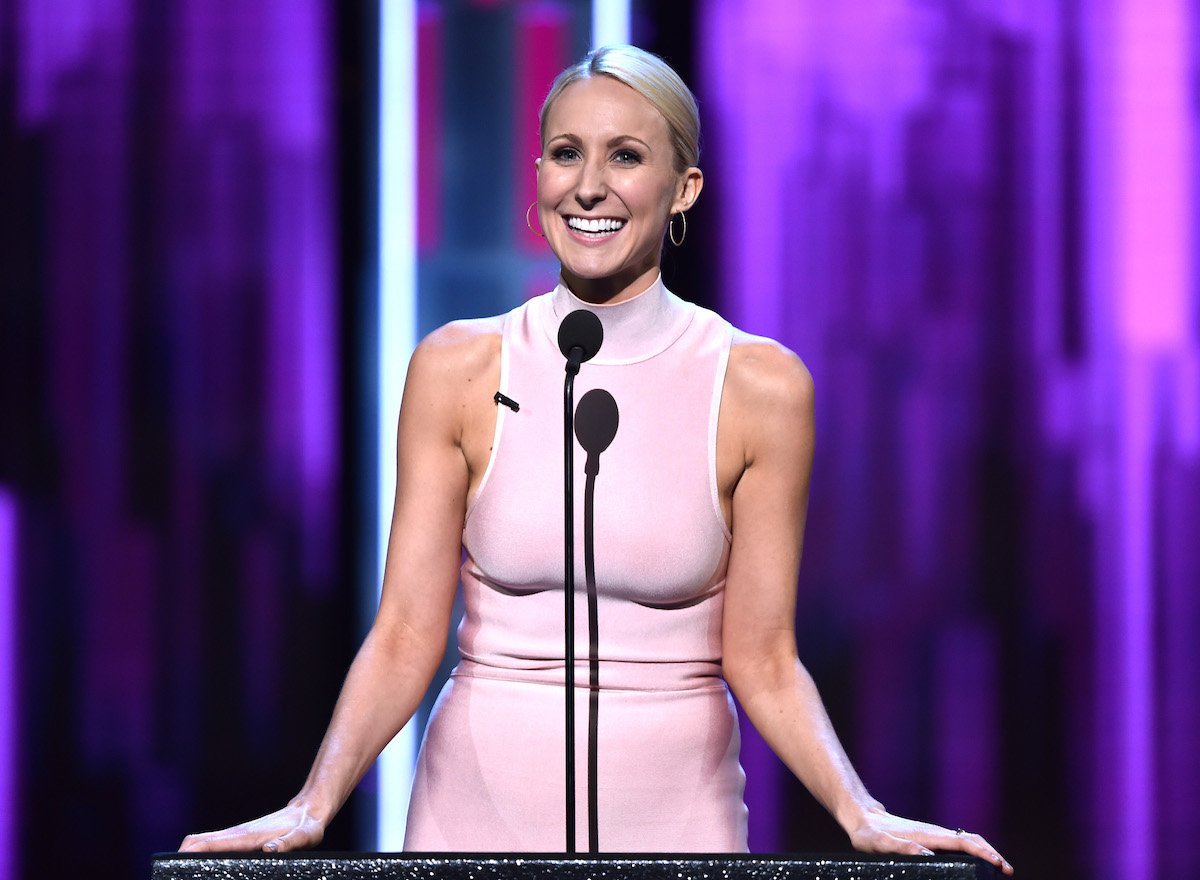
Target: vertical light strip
(397,336)
(1153,189)
(610,22)
(8,686)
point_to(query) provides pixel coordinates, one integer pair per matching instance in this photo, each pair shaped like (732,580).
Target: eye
(627,157)
(564,154)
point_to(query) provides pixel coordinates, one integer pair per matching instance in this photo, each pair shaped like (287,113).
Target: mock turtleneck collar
(634,330)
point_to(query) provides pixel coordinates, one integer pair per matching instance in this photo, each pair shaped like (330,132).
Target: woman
(700,508)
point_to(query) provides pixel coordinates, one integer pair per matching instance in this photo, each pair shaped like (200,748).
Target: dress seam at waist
(717,683)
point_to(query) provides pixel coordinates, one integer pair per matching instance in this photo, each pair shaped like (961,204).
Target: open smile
(594,228)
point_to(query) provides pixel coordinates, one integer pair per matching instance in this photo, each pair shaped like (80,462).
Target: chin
(594,271)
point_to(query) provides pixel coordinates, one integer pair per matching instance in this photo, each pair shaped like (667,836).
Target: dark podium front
(542,866)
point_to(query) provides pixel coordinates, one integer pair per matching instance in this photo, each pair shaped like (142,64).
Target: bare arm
(401,652)
(769,396)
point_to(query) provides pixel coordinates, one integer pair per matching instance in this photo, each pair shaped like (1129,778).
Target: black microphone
(579,338)
(596,422)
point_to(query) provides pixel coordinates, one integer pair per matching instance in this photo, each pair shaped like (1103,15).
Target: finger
(976,845)
(909,847)
(282,843)
(228,840)
(883,842)
(906,847)
(298,838)
(211,842)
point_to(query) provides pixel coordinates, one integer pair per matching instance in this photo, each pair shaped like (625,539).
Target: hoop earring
(529,224)
(671,229)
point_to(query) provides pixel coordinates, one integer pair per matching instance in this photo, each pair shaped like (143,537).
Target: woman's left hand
(878,831)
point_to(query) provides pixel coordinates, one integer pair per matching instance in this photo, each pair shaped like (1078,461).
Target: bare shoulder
(445,372)
(768,404)
(765,378)
(464,348)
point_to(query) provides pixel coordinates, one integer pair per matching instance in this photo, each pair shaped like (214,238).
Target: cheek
(654,197)
(550,189)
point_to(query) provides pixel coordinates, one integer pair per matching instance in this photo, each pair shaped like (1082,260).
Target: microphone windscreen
(596,421)
(581,329)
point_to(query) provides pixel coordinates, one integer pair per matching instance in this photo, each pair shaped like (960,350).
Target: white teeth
(598,225)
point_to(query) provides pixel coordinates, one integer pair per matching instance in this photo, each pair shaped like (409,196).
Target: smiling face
(607,186)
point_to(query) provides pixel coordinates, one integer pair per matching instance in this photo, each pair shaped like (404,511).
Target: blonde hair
(650,77)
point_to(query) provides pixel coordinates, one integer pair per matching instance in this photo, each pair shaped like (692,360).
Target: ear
(690,184)
(537,165)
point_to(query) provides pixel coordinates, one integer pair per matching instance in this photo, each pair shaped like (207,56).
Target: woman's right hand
(293,827)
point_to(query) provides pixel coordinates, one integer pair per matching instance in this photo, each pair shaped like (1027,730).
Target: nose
(592,186)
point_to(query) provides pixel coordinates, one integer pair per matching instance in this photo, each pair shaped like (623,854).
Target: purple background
(974,221)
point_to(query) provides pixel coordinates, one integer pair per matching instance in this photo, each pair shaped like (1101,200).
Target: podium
(543,866)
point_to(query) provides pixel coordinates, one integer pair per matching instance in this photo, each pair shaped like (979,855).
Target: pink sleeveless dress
(490,775)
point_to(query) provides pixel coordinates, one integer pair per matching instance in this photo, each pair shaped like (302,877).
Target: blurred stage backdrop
(974,220)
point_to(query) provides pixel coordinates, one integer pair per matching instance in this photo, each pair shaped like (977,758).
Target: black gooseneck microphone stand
(579,338)
(569,588)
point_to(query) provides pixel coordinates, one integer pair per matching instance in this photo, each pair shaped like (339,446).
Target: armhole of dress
(500,416)
(713,416)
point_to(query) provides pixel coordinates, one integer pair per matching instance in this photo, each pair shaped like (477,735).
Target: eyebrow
(612,142)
